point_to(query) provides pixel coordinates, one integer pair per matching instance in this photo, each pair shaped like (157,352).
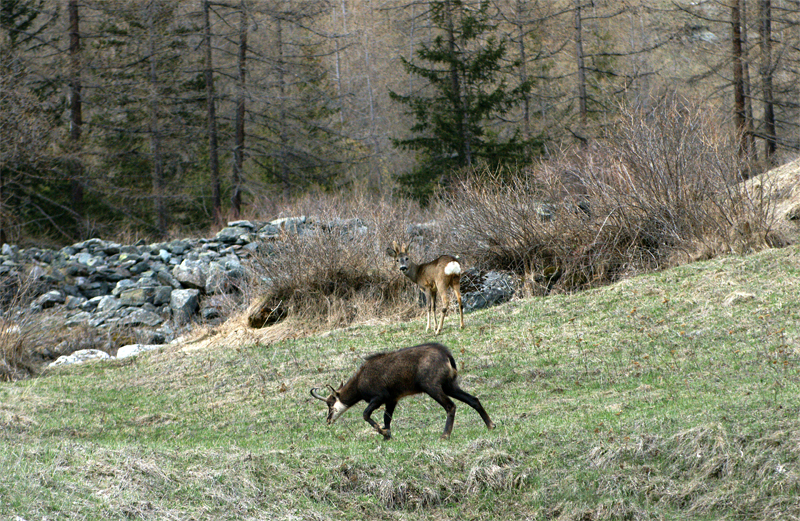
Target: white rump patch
(452,268)
(338,410)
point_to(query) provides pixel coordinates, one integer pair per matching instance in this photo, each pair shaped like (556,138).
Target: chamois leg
(440,396)
(374,404)
(459,394)
(387,416)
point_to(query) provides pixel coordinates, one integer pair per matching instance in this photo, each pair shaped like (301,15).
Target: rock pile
(159,288)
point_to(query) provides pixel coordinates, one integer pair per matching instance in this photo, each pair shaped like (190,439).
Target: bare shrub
(15,326)
(678,175)
(663,188)
(337,273)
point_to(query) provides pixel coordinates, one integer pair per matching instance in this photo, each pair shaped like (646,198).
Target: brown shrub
(337,273)
(663,188)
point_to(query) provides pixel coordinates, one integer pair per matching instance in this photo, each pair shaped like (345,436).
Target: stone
(135,349)
(191,273)
(82,356)
(49,299)
(184,303)
(141,317)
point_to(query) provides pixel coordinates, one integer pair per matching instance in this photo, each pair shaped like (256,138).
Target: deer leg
(374,404)
(440,396)
(430,297)
(457,291)
(459,394)
(445,302)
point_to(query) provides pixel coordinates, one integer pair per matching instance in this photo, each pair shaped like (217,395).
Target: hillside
(666,396)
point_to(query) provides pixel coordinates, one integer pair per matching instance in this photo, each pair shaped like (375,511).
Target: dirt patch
(236,332)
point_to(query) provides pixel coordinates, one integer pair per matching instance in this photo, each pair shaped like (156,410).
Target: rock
(135,349)
(79,357)
(191,273)
(137,296)
(141,317)
(488,289)
(232,234)
(49,299)
(184,303)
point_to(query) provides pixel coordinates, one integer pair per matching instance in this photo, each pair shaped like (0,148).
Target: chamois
(434,278)
(385,378)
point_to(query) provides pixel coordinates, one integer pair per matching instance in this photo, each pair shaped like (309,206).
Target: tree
(211,114)
(297,145)
(27,195)
(241,112)
(467,92)
(767,72)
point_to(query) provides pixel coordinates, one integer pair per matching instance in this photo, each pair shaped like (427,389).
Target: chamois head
(335,406)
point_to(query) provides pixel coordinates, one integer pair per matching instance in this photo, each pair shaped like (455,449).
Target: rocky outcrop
(159,289)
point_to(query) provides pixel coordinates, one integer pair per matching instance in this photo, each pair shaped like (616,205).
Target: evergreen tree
(466,69)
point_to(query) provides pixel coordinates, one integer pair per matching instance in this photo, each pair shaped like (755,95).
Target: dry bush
(663,188)
(677,178)
(336,273)
(16,294)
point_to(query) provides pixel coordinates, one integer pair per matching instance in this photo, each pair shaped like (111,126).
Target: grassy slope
(668,396)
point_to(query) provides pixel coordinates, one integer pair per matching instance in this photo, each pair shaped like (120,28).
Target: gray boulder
(184,303)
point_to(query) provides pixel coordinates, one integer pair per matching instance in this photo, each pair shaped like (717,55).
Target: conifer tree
(456,118)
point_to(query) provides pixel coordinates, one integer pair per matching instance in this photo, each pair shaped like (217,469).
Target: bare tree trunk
(76,116)
(581,63)
(765,28)
(238,149)
(748,99)
(283,152)
(455,85)
(740,115)
(338,51)
(213,154)
(3,235)
(523,72)
(155,129)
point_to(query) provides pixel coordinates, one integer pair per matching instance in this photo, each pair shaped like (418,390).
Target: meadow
(670,395)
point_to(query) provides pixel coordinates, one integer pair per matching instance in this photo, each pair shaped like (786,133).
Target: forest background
(168,117)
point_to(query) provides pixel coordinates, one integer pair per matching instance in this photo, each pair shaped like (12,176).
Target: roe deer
(434,277)
(385,378)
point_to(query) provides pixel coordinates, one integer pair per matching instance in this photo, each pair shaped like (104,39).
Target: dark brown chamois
(385,378)
(435,278)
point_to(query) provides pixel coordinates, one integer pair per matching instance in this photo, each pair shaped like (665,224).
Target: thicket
(664,187)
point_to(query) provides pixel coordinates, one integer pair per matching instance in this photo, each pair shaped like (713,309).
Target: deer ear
(391,252)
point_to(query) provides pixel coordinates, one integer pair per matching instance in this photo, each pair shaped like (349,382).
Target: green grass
(667,396)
